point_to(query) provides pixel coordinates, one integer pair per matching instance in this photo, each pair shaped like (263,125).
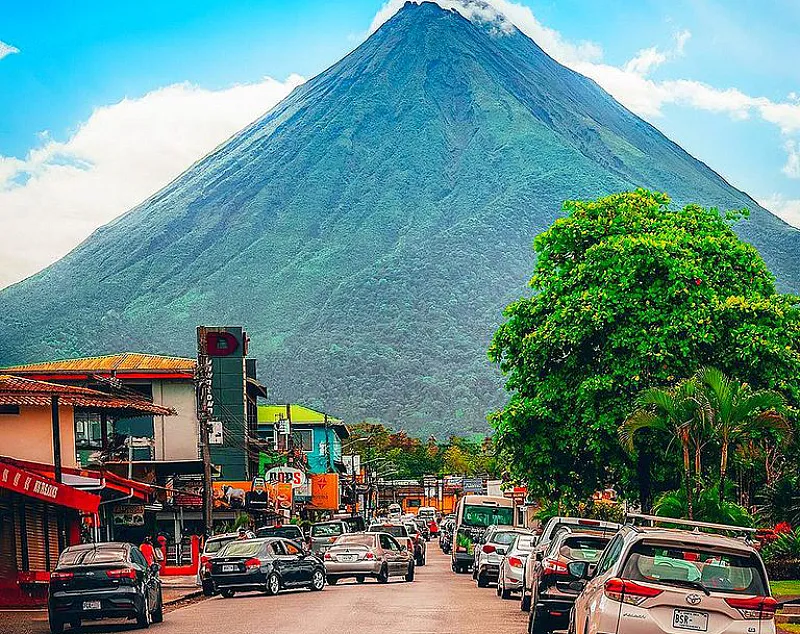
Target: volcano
(369,229)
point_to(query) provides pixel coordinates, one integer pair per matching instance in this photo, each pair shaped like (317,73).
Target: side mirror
(578,570)
(590,570)
(501,551)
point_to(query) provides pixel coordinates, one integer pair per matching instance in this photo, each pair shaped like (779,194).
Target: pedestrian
(148,551)
(242,534)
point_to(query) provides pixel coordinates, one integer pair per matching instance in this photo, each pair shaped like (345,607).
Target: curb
(191,595)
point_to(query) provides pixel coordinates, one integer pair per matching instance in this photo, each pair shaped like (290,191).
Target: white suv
(653,580)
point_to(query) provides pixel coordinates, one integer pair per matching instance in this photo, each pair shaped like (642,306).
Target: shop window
(88,432)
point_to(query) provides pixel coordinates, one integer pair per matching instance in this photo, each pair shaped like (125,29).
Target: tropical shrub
(707,508)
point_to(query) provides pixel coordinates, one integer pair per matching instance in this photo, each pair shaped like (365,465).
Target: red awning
(37,486)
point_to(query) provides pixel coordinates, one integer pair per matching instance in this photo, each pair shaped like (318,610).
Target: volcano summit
(370,228)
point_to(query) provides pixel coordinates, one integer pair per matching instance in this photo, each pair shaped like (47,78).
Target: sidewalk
(179,588)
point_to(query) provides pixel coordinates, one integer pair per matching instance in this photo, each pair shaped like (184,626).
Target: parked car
(428,513)
(396,530)
(667,580)
(106,580)
(483,539)
(420,546)
(551,587)
(287,531)
(323,534)
(395,511)
(268,565)
(212,546)
(362,555)
(491,552)
(512,567)
(424,528)
(446,536)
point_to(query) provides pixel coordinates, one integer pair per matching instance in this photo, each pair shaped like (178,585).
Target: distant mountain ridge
(369,229)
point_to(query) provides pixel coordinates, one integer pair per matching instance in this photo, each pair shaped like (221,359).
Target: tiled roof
(15,390)
(109,364)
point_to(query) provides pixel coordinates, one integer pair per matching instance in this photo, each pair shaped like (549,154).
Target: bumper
(242,580)
(491,571)
(463,559)
(125,601)
(514,584)
(354,568)
(556,611)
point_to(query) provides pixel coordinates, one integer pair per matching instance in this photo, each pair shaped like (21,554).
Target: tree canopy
(629,293)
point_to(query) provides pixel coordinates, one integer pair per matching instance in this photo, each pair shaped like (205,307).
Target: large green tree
(629,293)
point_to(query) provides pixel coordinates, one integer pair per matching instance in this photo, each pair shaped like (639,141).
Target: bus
(474,514)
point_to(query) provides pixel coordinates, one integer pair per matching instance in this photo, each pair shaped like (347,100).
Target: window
(138,558)
(291,549)
(387,543)
(303,439)
(9,409)
(278,548)
(88,433)
(610,555)
(583,548)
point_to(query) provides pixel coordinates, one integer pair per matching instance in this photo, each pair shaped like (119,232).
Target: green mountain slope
(369,229)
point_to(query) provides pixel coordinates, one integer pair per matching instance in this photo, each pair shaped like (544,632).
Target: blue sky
(167,81)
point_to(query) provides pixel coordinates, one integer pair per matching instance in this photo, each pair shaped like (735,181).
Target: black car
(267,565)
(106,580)
(286,531)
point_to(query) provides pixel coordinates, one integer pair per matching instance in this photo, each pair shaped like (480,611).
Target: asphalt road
(437,602)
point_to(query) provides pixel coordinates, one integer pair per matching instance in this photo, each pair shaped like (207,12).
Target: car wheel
(525,602)
(410,573)
(497,588)
(360,579)
(273,584)
(227,593)
(75,624)
(143,617)
(332,581)
(537,622)
(505,594)
(317,580)
(158,613)
(208,588)
(482,581)
(56,625)
(383,575)
(474,573)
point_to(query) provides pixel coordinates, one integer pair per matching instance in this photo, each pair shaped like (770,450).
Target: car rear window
(326,530)
(289,532)
(583,548)
(241,548)
(214,545)
(92,556)
(394,531)
(504,537)
(357,540)
(715,571)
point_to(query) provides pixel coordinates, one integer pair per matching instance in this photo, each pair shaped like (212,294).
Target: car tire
(525,602)
(537,624)
(383,575)
(497,588)
(273,584)
(56,625)
(208,588)
(143,617)
(158,613)
(226,593)
(505,595)
(361,579)
(332,581)
(410,574)
(317,581)
(482,581)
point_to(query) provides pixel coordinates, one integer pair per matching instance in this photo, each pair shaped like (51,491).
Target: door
(393,554)
(587,601)
(149,578)
(303,566)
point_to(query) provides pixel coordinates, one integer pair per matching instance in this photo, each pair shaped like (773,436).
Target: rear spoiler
(656,519)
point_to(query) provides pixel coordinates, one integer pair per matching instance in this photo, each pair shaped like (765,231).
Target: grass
(792,628)
(785,588)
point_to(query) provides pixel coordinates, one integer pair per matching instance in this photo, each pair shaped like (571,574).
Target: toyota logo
(693,599)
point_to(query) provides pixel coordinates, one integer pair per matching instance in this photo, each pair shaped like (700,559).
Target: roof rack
(696,525)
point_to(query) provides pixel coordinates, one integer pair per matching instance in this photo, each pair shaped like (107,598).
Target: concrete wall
(176,437)
(29,435)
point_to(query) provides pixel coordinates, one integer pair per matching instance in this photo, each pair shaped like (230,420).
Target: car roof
(99,546)
(222,536)
(697,538)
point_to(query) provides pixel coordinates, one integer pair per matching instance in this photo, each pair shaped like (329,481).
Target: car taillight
(369,555)
(588,523)
(629,592)
(554,567)
(515,562)
(762,608)
(252,563)
(122,573)
(328,556)
(488,549)
(61,576)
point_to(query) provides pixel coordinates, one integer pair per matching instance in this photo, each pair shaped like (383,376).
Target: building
(316,433)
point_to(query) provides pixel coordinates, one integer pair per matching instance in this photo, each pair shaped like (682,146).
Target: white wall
(176,436)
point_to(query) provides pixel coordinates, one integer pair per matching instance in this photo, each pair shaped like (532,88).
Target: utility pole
(56,437)
(205,410)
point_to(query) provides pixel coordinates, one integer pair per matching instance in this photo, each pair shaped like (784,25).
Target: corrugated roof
(15,390)
(111,364)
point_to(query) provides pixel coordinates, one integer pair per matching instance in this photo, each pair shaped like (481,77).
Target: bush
(707,508)
(785,547)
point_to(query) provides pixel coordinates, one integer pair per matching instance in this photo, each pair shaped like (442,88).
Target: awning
(37,486)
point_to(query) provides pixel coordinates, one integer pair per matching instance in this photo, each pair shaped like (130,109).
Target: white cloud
(63,190)
(786,208)
(792,167)
(7,49)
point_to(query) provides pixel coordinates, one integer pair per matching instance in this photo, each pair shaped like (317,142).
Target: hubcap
(273,585)
(318,579)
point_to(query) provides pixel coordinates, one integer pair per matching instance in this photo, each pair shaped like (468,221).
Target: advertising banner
(325,491)
(473,485)
(258,495)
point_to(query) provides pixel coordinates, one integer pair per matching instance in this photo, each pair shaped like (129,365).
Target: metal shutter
(34,523)
(8,560)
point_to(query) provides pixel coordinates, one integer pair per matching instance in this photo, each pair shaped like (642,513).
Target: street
(437,602)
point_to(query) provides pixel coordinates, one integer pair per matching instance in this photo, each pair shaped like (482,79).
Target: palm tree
(737,413)
(674,410)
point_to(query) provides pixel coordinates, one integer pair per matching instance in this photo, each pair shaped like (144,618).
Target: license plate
(232,568)
(687,620)
(348,557)
(91,605)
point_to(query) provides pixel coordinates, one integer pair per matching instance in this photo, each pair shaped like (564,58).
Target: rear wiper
(687,583)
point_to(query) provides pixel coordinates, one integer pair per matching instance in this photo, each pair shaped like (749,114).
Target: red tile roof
(112,364)
(15,390)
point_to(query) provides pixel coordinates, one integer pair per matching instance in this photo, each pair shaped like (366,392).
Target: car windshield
(326,530)
(289,532)
(480,516)
(214,545)
(504,537)
(92,556)
(394,531)
(583,547)
(243,548)
(716,571)
(356,540)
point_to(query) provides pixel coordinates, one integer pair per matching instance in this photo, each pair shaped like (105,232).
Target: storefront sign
(257,495)
(188,494)
(36,486)
(286,475)
(473,485)
(128,515)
